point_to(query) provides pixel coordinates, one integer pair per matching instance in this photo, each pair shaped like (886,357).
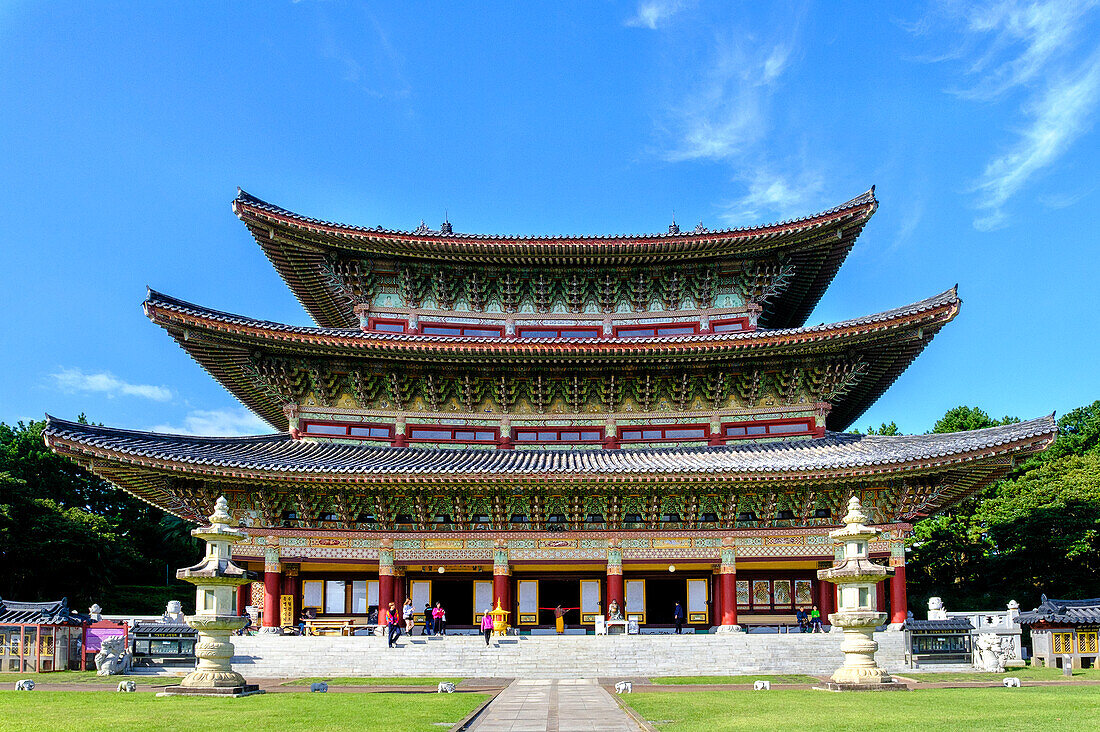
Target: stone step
(553,657)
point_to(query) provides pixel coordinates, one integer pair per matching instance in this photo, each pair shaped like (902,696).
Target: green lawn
(372,681)
(82,677)
(774,678)
(1065,707)
(1027,673)
(96,711)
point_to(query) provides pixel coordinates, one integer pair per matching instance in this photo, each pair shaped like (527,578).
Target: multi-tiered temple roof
(675,367)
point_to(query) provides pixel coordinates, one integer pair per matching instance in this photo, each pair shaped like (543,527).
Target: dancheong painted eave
(170,312)
(813,246)
(137,460)
(223,344)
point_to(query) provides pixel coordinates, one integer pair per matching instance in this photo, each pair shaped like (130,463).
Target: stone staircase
(265,656)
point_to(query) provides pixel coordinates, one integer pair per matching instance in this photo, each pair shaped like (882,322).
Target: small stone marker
(445,687)
(24,685)
(319,686)
(762,686)
(127,685)
(1010,682)
(624,687)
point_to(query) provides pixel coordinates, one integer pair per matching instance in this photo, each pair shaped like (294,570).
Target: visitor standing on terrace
(487,625)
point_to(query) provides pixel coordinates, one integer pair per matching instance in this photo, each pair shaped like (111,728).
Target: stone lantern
(857,614)
(215,618)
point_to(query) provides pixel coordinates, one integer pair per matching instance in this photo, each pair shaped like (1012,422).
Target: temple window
(653,331)
(570,332)
(441,433)
(749,430)
(664,432)
(461,330)
(386,326)
(348,429)
(544,435)
(729,326)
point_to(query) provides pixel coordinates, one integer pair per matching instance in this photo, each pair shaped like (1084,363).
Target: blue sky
(126,128)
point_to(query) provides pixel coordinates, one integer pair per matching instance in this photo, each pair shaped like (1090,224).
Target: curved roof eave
(297,246)
(278,457)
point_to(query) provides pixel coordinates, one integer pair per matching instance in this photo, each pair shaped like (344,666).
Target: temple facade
(554,420)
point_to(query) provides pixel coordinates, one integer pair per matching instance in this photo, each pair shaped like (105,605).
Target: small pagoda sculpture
(856,577)
(215,578)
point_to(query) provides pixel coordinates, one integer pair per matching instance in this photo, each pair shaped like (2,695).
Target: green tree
(1043,530)
(963,419)
(65,532)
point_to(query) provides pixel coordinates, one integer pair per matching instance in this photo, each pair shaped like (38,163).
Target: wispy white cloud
(217,423)
(774,194)
(1027,53)
(726,114)
(73,380)
(1057,118)
(652,13)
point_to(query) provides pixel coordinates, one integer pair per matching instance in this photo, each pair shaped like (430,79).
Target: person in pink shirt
(487,625)
(440,619)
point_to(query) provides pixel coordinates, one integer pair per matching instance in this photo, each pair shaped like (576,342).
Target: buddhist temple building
(554,420)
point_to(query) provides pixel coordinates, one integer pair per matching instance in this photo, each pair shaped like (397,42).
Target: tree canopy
(66,533)
(1037,531)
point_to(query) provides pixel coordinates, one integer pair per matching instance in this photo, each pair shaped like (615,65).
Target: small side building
(1064,628)
(939,641)
(40,636)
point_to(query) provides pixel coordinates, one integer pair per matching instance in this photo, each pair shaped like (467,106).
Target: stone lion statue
(992,652)
(113,657)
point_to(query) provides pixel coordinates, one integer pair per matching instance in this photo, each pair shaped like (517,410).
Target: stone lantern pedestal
(215,618)
(856,577)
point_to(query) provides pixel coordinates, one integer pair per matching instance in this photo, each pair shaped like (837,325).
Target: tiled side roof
(955,624)
(279,453)
(1064,612)
(813,247)
(45,613)
(887,342)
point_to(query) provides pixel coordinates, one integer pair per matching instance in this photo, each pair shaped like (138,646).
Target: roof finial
(673,228)
(446,227)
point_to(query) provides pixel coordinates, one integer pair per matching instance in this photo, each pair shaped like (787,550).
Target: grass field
(372,681)
(83,677)
(1035,707)
(1027,673)
(774,678)
(75,711)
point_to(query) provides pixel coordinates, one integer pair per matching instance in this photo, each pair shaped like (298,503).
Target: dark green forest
(66,533)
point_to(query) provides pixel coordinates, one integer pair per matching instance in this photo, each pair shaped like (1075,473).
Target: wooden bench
(783,621)
(337,626)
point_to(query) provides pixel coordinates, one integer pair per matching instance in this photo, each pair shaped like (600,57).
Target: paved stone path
(562,705)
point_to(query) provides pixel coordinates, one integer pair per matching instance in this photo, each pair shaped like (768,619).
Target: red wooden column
(244,597)
(880,596)
(501,572)
(399,587)
(727,582)
(828,601)
(273,583)
(385,577)
(615,576)
(899,600)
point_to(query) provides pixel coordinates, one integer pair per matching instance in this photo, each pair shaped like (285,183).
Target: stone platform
(220,691)
(556,657)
